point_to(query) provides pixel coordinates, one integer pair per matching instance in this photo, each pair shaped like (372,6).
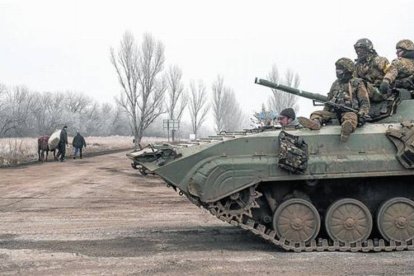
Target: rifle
(407,83)
(340,108)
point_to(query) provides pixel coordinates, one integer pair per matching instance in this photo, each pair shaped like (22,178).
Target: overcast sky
(64,45)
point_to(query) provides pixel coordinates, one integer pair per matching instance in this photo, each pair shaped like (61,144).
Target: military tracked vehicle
(301,189)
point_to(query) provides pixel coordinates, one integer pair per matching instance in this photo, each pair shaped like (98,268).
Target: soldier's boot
(346,130)
(308,123)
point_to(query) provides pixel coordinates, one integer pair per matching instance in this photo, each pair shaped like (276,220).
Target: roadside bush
(14,151)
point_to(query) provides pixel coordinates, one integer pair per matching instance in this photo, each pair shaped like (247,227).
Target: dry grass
(14,151)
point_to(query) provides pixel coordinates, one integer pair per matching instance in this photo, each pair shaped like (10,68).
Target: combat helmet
(345,63)
(364,43)
(405,44)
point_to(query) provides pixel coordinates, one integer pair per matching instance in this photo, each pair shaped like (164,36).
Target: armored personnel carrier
(301,189)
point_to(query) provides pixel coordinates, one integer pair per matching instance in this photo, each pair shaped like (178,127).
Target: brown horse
(43,147)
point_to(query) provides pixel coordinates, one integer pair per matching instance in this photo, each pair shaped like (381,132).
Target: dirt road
(98,216)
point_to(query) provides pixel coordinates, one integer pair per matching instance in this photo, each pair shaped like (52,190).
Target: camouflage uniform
(371,69)
(351,94)
(346,91)
(401,70)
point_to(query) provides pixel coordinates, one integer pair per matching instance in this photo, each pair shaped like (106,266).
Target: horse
(43,147)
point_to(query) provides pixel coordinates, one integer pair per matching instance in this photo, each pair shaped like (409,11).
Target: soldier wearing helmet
(346,91)
(371,68)
(401,70)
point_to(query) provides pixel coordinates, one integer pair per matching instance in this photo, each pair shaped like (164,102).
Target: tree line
(150,92)
(26,113)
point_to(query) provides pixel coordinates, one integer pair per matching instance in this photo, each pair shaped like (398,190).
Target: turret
(291,90)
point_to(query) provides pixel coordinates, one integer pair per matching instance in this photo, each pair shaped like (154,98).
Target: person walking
(63,141)
(78,144)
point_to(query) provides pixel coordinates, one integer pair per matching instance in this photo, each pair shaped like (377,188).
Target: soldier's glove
(361,114)
(384,86)
(361,118)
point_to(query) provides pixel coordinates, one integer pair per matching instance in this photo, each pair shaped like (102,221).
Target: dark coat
(78,141)
(63,137)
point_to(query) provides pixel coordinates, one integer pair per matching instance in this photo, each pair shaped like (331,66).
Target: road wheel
(296,220)
(395,219)
(348,220)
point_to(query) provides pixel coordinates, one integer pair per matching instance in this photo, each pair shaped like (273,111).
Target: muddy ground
(99,216)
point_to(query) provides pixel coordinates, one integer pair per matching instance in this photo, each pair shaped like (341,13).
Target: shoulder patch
(382,62)
(387,67)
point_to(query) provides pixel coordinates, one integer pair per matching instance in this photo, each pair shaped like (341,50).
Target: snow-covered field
(15,151)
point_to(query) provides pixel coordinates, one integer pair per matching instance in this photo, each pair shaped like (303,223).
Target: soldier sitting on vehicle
(287,118)
(402,68)
(347,100)
(371,68)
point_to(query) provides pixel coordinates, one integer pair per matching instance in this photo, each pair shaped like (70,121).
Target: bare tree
(233,115)
(177,99)
(218,110)
(292,78)
(78,107)
(16,112)
(227,112)
(281,100)
(56,110)
(27,113)
(138,70)
(107,112)
(3,107)
(3,91)
(119,121)
(50,112)
(77,102)
(198,105)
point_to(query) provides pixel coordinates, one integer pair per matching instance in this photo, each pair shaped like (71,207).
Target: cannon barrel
(291,90)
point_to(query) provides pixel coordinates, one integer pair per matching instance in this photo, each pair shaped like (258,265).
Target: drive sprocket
(236,205)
